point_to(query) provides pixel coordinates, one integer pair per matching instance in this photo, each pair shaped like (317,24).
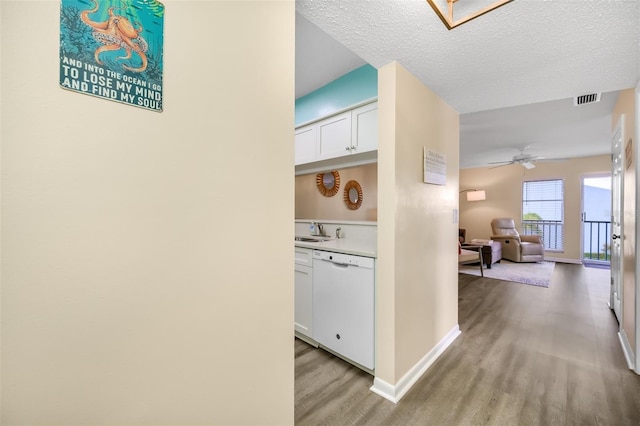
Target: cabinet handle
(347,148)
(353,147)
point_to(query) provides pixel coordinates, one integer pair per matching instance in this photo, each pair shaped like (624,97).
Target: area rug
(538,273)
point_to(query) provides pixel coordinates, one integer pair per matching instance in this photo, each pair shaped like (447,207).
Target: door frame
(637,278)
(582,209)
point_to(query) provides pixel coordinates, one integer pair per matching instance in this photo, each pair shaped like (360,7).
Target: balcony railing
(551,231)
(597,236)
(597,240)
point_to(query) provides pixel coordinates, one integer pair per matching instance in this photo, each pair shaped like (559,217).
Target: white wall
(132,291)
(503,188)
(417,275)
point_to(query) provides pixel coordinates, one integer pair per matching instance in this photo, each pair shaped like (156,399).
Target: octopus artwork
(117,33)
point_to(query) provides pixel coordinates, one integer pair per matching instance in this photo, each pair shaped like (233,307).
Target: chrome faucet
(338,232)
(321,230)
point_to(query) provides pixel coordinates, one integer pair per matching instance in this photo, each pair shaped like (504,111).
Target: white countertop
(340,222)
(342,245)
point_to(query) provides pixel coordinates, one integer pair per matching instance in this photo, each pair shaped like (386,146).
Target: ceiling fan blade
(551,160)
(501,165)
(525,160)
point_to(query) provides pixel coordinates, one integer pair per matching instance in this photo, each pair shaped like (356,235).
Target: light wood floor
(526,356)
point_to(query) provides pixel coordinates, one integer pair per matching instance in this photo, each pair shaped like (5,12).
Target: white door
(617,183)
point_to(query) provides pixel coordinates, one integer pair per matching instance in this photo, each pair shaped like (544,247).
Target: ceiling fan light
(528,165)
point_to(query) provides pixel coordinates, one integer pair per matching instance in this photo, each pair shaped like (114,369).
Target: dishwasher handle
(336,263)
(342,265)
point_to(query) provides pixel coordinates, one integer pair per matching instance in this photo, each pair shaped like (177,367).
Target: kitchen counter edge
(340,246)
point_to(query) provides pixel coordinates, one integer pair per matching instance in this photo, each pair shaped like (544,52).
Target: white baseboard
(306,339)
(626,350)
(563,260)
(395,393)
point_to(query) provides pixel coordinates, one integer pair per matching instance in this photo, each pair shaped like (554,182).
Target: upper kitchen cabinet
(364,128)
(338,140)
(334,136)
(305,142)
(337,124)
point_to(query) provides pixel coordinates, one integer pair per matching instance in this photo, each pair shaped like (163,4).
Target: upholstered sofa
(471,256)
(491,250)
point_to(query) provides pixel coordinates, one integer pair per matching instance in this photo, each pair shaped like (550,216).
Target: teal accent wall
(356,86)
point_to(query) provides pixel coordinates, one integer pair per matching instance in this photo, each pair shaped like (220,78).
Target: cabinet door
(334,136)
(364,128)
(303,256)
(303,299)
(305,144)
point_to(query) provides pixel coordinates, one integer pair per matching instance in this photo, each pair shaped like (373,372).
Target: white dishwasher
(343,305)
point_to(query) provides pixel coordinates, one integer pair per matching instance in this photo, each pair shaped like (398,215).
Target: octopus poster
(112,49)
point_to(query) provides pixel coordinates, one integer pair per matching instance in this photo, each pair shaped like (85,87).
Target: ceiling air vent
(586,99)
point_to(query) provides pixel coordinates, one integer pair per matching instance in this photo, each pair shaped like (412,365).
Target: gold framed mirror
(352,195)
(328,183)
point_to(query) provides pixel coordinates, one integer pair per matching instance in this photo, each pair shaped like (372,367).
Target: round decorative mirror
(352,195)
(328,183)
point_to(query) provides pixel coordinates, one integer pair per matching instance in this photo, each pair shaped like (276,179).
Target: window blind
(543,211)
(543,198)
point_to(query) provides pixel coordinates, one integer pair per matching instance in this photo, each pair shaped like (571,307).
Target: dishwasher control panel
(343,259)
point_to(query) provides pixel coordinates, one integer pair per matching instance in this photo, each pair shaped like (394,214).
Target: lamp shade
(476,196)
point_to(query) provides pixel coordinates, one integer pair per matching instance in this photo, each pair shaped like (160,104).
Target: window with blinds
(543,211)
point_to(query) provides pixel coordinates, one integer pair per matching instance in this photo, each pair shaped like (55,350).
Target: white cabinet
(364,128)
(334,136)
(337,137)
(303,292)
(305,144)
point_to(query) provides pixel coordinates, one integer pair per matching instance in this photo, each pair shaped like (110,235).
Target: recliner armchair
(516,247)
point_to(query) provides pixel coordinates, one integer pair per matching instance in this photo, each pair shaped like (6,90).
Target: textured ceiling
(525,54)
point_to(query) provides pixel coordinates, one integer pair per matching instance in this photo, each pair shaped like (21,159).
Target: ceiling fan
(525,160)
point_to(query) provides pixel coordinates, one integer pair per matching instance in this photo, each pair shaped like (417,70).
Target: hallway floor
(526,356)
